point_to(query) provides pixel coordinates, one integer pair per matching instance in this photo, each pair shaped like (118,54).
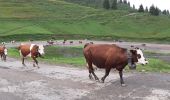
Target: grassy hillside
(46,19)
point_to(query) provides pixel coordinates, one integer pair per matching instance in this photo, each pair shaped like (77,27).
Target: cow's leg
(23,63)
(90,76)
(4,57)
(91,70)
(35,61)
(1,57)
(106,74)
(121,78)
(95,76)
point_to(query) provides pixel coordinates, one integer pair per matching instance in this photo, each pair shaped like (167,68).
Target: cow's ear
(37,47)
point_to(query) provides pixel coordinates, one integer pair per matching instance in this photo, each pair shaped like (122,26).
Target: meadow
(57,19)
(73,56)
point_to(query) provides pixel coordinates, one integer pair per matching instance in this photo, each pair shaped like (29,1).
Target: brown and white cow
(3,52)
(111,56)
(31,50)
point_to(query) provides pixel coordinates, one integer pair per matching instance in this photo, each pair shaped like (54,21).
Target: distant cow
(64,41)
(50,42)
(80,42)
(111,56)
(3,52)
(71,42)
(31,50)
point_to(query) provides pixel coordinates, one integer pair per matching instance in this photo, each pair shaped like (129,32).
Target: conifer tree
(106,4)
(141,8)
(114,5)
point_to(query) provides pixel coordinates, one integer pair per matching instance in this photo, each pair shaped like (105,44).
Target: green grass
(155,65)
(74,56)
(45,19)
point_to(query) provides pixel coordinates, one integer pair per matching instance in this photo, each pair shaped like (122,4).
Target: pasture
(57,19)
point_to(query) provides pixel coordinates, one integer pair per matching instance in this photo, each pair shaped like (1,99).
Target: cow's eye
(139,56)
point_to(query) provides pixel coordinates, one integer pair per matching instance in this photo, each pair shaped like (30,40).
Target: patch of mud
(3,82)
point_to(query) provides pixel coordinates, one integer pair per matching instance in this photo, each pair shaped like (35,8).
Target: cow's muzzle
(39,55)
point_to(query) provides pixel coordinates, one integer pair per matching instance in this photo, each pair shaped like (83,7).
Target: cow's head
(137,57)
(41,50)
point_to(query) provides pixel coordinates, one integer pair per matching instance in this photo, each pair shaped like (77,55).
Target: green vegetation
(73,56)
(45,19)
(155,65)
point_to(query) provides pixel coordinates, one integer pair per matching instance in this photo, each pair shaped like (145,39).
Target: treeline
(115,4)
(110,4)
(153,10)
(120,5)
(90,3)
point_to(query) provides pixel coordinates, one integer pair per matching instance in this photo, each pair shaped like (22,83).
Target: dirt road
(65,83)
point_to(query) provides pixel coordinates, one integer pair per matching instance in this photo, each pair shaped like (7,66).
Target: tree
(167,12)
(129,3)
(120,1)
(156,13)
(146,9)
(154,10)
(106,4)
(114,4)
(164,12)
(141,8)
(125,1)
(134,6)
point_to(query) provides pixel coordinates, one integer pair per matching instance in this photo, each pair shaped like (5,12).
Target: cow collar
(129,57)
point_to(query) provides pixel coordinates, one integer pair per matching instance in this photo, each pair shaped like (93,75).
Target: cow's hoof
(102,80)
(24,65)
(97,80)
(34,65)
(123,85)
(90,77)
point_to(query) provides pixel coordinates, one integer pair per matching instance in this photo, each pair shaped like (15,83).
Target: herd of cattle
(106,56)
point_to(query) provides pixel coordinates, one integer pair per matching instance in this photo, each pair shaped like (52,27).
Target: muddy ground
(52,82)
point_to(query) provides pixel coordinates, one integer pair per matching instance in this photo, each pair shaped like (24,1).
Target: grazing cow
(64,41)
(111,56)
(71,42)
(13,41)
(31,50)
(80,42)
(50,42)
(3,52)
